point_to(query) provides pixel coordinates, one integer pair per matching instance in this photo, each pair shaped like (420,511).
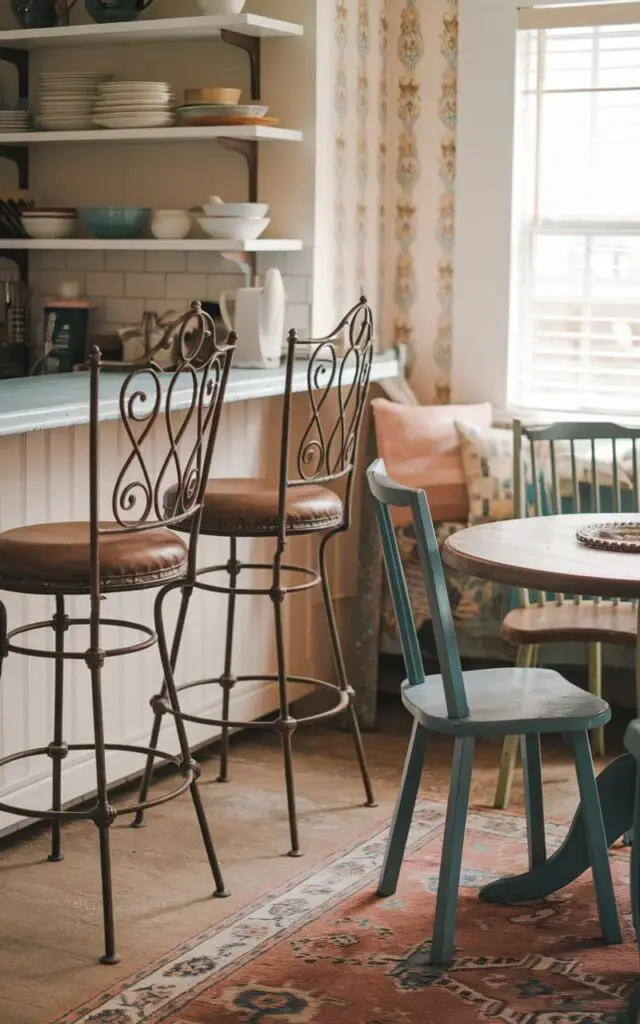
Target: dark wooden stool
(301,502)
(139,549)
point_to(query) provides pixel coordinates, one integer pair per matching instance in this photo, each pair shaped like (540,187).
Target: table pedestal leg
(616,788)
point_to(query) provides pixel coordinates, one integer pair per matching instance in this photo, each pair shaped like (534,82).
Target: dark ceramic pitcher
(107,11)
(42,13)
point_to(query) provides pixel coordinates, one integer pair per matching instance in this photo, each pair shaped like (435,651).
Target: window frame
(484,242)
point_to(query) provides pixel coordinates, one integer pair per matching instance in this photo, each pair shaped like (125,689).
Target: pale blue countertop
(62,400)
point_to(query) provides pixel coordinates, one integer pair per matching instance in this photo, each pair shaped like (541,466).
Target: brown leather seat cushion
(250,507)
(605,622)
(56,557)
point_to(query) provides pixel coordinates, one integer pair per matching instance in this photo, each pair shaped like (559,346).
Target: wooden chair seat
(503,701)
(604,622)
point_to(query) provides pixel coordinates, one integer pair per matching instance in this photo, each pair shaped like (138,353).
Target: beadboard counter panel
(62,400)
(44,460)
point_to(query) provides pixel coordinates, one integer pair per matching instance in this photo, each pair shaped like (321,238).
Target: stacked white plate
(67,98)
(15,121)
(134,105)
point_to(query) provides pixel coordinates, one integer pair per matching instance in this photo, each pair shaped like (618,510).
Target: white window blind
(574,341)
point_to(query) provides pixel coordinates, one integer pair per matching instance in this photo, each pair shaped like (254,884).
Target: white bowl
(50,227)
(221,6)
(251,211)
(237,229)
(170,224)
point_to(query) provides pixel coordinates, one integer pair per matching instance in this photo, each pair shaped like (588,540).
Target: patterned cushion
(487,462)
(478,606)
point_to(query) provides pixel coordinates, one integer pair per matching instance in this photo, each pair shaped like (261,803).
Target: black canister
(66,330)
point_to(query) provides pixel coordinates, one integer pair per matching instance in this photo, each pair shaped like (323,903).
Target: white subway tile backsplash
(106,284)
(299,262)
(202,262)
(298,318)
(120,312)
(166,262)
(125,261)
(48,260)
(85,260)
(218,283)
(124,285)
(296,289)
(186,286)
(146,286)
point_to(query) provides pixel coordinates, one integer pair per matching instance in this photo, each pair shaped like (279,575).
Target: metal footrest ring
(313,579)
(188,772)
(114,652)
(344,699)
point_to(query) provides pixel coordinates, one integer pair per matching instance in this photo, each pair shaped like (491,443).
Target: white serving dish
(50,227)
(237,229)
(116,87)
(221,6)
(250,211)
(131,103)
(158,120)
(170,224)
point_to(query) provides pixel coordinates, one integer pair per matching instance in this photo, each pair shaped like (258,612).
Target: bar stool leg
(342,673)
(145,785)
(286,724)
(57,750)
(185,752)
(104,814)
(227,680)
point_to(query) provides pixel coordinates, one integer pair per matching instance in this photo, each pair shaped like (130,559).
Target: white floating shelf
(251,132)
(150,30)
(152,244)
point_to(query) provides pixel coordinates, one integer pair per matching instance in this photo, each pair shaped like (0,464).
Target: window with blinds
(575,316)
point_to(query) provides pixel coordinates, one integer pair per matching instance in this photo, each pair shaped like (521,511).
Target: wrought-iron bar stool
(301,503)
(137,550)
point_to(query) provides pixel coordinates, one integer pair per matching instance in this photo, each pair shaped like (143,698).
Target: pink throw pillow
(421,448)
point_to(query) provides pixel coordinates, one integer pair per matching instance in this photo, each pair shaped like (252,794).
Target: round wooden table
(544,554)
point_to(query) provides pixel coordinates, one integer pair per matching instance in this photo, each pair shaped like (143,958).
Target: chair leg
(158,712)
(342,674)
(511,744)
(451,862)
(57,750)
(595,687)
(532,766)
(403,815)
(104,813)
(596,837)
(185,752)
(227,680)
(635,862)
(286,724)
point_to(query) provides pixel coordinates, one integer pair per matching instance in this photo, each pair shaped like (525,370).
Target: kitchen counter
(62,400)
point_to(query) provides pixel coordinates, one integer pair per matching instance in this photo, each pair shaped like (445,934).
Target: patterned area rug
(327,951)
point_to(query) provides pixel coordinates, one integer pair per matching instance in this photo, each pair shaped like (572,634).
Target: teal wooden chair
(488,702)
(632,743)
(566,470)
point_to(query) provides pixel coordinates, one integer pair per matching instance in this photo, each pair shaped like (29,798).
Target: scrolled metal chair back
(170,421)
(338,374)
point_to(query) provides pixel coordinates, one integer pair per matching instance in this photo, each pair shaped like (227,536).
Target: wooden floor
(50,920)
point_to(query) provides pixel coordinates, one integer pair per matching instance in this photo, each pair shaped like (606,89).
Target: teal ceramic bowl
(115,221)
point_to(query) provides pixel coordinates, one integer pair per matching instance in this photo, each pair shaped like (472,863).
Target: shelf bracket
(20,61)
(19,155)
(249,150)
(252,47)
